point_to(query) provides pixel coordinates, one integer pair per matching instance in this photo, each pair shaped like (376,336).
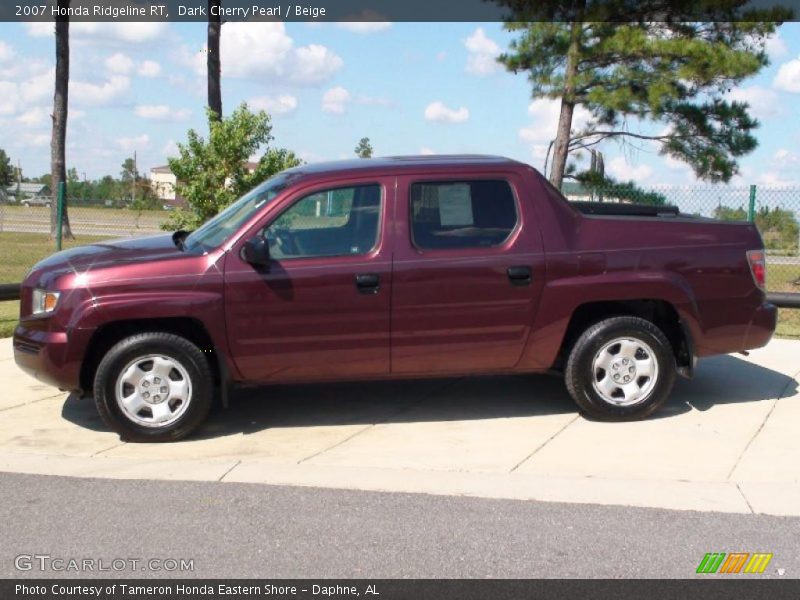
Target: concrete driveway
(727,441)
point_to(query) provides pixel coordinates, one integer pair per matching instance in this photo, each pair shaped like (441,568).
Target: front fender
(204,306)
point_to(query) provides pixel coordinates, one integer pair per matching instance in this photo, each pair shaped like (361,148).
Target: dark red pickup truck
(391,268)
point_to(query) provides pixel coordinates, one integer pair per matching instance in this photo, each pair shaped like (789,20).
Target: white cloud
(776,179)
(36,115)
(36,140)
(365,26)
(776,47)
(170,148)
(314,64)
(6,52)
(482,53)
(675,164)
(161,112)
(39,87)
(335,100)
(99,94)
(264,50)
(149,68)
(425,151)
(439,113)
(620,168)
(545,113)
(8,98)
(124,33)
(40,29)
(786,158)
(119,64)
(129,144)
(274,105)
(763,102)
(788,77)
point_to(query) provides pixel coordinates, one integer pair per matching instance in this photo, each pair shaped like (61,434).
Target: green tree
(364,148)
(640,67)
(129,172)
(107,188)
(212,173)
(7,172)
(726,213)
(778,228)
(73,183)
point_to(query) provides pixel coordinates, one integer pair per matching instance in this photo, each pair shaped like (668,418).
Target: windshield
(217,230)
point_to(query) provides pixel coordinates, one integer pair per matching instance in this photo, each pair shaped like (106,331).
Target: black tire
(580,376)
(186,356)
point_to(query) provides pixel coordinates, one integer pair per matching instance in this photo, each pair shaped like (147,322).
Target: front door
(468,272)
(321,309)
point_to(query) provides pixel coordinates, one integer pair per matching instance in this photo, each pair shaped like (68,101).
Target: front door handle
(519,275)
(368,283)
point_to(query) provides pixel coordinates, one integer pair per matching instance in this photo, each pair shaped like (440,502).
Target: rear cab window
(462,214)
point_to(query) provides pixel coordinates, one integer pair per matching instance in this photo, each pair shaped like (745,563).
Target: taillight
(758,267)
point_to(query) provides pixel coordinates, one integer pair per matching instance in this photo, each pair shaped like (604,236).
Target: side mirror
(256,252)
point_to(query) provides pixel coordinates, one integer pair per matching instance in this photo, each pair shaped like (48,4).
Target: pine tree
(675,73)
(364,148)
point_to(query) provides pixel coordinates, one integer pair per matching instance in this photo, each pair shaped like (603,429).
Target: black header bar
(404,10)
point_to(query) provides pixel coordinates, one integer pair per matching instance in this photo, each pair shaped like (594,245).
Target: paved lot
(728,440)
(241,530)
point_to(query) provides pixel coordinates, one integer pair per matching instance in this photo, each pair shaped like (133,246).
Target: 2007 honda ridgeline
(390,268)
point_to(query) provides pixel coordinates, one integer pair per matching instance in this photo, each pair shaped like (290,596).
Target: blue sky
(410,87)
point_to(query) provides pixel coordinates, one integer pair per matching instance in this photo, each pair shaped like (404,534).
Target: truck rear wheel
(153,387)
(621,369)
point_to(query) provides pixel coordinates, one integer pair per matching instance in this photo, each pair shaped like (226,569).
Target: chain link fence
(24,230)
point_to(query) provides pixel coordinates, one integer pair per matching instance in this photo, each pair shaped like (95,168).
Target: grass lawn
(9,313)
(780,278)
(20,251)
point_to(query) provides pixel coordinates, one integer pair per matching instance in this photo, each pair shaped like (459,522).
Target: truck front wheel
(153,387)
(621,369)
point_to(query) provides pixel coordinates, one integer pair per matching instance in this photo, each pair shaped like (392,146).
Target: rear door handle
(519,275)
(368,283)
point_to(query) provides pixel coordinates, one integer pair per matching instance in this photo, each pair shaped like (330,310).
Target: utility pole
(135,171)
(19,179)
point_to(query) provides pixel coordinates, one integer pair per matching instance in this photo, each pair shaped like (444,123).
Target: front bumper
(49,356)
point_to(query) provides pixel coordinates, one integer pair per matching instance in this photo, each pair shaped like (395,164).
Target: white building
(163,182)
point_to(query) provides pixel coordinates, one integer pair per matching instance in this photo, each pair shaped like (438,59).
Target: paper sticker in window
(455,205)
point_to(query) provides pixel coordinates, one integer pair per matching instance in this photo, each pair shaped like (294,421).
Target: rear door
(321,309)
(468,272)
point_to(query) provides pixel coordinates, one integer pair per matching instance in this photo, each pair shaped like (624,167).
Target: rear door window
(462,214)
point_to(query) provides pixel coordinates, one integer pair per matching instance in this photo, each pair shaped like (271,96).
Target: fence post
(59,214)
(751,210)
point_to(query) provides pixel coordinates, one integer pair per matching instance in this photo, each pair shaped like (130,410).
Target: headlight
(44,301)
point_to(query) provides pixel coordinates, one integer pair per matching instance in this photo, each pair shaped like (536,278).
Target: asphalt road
(240,530)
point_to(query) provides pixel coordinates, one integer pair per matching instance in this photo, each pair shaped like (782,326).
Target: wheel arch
(659,312)
(108,334)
